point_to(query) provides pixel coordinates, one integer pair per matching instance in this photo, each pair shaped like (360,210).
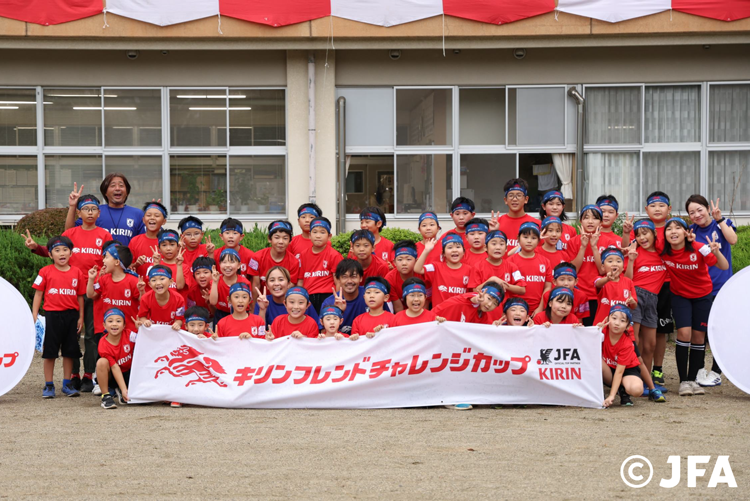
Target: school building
(250,122)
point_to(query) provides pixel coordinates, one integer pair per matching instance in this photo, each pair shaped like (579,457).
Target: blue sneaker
(656,396)
(48,391)
(645,391)
(70,391)
(661,388)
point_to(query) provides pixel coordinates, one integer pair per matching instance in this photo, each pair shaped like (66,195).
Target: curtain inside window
(729,114)
(674,173)
(564,167)
(673,114)
(617,174)
(613,115)
(729,179)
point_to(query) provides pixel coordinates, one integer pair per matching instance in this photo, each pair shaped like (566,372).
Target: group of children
(512,270)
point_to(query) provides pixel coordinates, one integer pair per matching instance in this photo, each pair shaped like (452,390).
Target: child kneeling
(620,365)
(116,352)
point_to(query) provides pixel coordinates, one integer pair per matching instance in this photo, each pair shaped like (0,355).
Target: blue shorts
(691,313)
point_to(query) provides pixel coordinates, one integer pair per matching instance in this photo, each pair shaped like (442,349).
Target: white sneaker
(709,378)
(686,389)
(697,390)
(97,391)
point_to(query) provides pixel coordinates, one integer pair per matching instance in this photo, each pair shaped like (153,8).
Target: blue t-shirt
(274,310)
(354,309)
(123,224)
(718,277)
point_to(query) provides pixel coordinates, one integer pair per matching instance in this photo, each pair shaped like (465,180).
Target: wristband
(721,220)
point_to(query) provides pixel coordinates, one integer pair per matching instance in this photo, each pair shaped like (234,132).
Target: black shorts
(665,323)
(629,371)
(61,335)
(637,351)
(593,305)
(691,313)
(218,315)
(317,300)
(113,383)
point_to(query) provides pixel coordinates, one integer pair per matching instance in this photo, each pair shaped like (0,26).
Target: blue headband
(551,220)
(516,187)
(112,312)
(656,199)
(156,206)
(516,301)
(366,235)
(406,251)
(622,309)
(279,226)
(376,285)
(371,216)
(87,201)
(644,223)
(308,210)
(594,208)
(190,224)
(239,287)
(238,229)
(331,310)
(494,292)
(462,206)
(612,252)
(195,318)
(319,223)
(495,234)
(299,291)
(452,238)
(561,291)
(112,251)
(201,266)
(551,195)
(159,272)
(609,203)
(528,225)
(678,220)
(412,288)
(230,252)
(477,227)
(58,243)
(428,215)
(169,236)
(565,271)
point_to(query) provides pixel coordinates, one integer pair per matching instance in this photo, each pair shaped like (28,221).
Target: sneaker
(708,378)
(48,391)
(625,400)
(646,391)
(87,385)
(656,396)
(686,389)
(460,407)
(176,405)
(119,396)
(697,390)
(75,382)
(661,388)
(108,402)
(658,377)
(96,391)
(70,391)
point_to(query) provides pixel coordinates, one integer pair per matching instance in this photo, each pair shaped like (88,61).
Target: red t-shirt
(609,239)
(433,257)
(282,327)
(473,259)
(688,271)
(536,271)
(614,293)
(444,282)
(510,226)
(365,322)
(568,234)
(231,327)
(397,283)
(61,288)
(541,318)
(649,271)
(316,270)
(168,314)
(141,245)
(122,295)
(245,256)
(300,245)
(192,255)
(195,298)
(377,268)
(506,270)
(620,353)
(401,318)
(554,258)
(87,250)
(222,290)
(382,249)
(580,303)
(120,354)
(263,261)
(461,309)
(588,272)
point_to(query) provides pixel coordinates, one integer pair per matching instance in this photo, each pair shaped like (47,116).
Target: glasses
(89,210)
(515,196)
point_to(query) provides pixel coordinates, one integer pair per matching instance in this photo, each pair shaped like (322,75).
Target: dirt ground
(72,448)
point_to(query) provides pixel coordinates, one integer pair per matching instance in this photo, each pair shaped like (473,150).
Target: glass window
(424,117)
(729,179)
(617,174)
(72,117)
(424,183)
(673,114)
(536,116)
(538,169)
(61,171)
(132,117)
(17,117)
(370,183)
(480,177)
(613,115)
(481,117)
(369,116)
(729,113)
(198,184)
(198,118)
(18,185)
(257,185)
(257,117)
(675,173)
(144,175)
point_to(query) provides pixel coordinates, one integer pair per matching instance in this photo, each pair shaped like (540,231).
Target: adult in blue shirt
(709,225)
(122,221)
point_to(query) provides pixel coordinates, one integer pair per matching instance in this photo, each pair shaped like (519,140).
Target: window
(198,118)
(729,113)
(132,118)
(729,179)
(61,171)
(675,173)
(673,114)
(17,117)
(424,183)
(482,177)
(144,174)
(257,117)
(613,115)
(257,185)
(615,173)
(72,117)
(369,116)
(424,117)
(19,186)
(370,183)
(536,116)
(198,184)
(482,117)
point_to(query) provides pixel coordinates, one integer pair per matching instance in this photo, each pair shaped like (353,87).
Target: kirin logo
(187,361)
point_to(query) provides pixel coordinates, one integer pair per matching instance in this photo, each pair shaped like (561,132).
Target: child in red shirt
(295,323)
(191,236)
(373,220)
(553,204)
(449,278)
(199,293)
(405,253)
(62,287)
(474,307)
(241,323)
(232,233)
(515,313)
(377,317)
(319,263)
(415,297)
(331,317)
(558,309)
(196,322)
(516,197)
(301,243)
(116,358)
(583,253)
(462,210)
(608,238)
(565,275)
(221,281)
(535,268)
(550,245)
(476,233)
(278,254)
(497,269)
(614,287)
(142,246)
(429,227)
(619,360)
(362,245)
(160,305)
(117,286)
(169,254)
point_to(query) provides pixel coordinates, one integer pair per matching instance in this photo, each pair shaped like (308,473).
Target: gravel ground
(72,448)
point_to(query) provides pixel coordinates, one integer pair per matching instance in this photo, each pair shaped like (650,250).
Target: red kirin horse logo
(186,360)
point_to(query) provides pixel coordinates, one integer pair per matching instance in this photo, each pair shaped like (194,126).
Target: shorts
(593,306)
(61,335)
(646,311)
(629,371)
(691,313)
(218,315)
(317,300)
(664,311)
(113,383)
(637,351)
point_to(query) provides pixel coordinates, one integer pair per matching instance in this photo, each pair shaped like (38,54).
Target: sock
(87,375)
(681,355)
(697,360)
(657,368)
(50,383)
(74,376)
(66,382)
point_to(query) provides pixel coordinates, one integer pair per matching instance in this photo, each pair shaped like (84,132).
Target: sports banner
(412,366)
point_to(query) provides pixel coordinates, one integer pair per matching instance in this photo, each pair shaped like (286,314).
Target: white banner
(412,366)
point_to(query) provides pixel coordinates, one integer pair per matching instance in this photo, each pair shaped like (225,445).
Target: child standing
(583,253)
(372,219)
(232,233)
(221,281)
(160,305)
(609,206)
(240,322)
(476,233)
(270,302)
(318,264)
(449,278)
(614,287)
(405,253)
(534,267)
(497,269)
(62,287)
(301,243)
(142,246)
(415,298)
(516,197)
(191,236)
(116,358)
(278,254)
(429,228)
(295,323)
(553,204)
(619,361)
(564,275)
(196,322)
(170,254)
(377,318)
(332,317)
(462,211)
(550,245)
(199,293)
(362,245)
(558,310)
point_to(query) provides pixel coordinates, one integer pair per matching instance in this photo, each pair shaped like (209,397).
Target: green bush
(43,223)
(741,250)
(340,242)
(18,265)
(255,239)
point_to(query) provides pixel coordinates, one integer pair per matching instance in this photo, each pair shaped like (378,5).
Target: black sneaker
(119,396)
(108,402)
(87,385)
(75,382)
(625,400)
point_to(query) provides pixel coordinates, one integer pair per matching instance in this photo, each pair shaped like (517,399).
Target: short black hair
(189,219)
(563,264)
(232,223)
(310,205)
(348,265)
(607,197)
(382,281)
(361,235)
(412,281)
(110,242)
(516,181)
(404,244)
(88,197)
(528,231)
(197,311)
(203,261)
(126,255)
(60,238)
(282,229)
(659,194)
(463,200)
(158,204)
(478,220)
(324,219)
(374,210)
(167,230)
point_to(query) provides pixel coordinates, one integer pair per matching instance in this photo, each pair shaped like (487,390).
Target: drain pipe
(580,159)
(341,110)
(311,123)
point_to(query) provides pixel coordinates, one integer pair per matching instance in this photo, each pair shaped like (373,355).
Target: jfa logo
(131,222)
(721,474)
